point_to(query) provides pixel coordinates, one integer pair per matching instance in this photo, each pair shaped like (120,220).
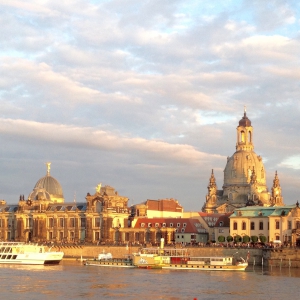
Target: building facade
(276,224)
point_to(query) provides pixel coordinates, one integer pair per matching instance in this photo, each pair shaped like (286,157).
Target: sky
(145,96)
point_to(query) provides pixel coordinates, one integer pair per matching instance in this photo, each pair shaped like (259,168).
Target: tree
(221,239)
(246,239)
(229,239)
(254,238)
(262,238)
(237,239)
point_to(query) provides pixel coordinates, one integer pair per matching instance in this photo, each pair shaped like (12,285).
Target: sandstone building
(244,178)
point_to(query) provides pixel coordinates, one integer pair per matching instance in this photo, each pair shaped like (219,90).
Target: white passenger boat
(170,258)
(27,254)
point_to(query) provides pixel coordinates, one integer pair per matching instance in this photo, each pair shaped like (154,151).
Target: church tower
(276,197)
(244,175)
(211,197)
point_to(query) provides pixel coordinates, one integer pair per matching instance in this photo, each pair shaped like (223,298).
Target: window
(221,230)
(156,225)
(171,224)
(235,226)
(97,222)
(221,224)
(277,225)
(164,225)
(72,222)
(289,224)
(28,222)
(83,222)
(142,224)
(149,225)
(252,226)
(182,229)
(297,224)
(244,226)
(50,222)
(261,225)
(184,225)
(1,223)
(178,224)
(61,222)
(182,236)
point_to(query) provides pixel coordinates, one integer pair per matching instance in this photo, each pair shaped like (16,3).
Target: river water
(72,280)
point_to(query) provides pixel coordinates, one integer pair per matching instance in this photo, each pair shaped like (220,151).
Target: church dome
(51,186)
(240,167)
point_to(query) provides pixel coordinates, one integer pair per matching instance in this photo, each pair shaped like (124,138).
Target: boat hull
(35,259)
(110,263)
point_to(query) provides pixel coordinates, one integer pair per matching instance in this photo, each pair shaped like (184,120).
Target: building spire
(48,164)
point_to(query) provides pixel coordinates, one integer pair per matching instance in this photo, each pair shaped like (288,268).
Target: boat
(106,260)
(28,254)
(170,258)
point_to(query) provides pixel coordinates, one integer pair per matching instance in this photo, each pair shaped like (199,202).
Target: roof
(189,225)
(259,211)
(164,205)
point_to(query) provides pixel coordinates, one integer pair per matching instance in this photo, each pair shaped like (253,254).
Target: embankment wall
(276,257)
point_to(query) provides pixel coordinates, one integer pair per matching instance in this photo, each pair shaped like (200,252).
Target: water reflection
(72,280)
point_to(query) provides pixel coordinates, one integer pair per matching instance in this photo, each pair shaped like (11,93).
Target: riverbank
(278,257)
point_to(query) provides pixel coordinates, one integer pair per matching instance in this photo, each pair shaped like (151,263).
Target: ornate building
(44,216)
(244,178)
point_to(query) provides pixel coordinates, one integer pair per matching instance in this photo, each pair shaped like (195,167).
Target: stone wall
(286,257)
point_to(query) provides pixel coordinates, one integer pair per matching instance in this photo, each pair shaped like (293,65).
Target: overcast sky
(145,96)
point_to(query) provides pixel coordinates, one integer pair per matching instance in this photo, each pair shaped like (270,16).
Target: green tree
(246,239)
(229,239)
(237,239)
(254,238)
(221,239)
(262,238)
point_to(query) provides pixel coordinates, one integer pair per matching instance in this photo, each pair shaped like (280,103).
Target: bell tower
(244,134)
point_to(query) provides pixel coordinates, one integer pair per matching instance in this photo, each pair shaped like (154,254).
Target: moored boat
(169,258)
(27,254)
(106,260)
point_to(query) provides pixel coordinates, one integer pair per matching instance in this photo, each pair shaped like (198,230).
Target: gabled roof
(223,221)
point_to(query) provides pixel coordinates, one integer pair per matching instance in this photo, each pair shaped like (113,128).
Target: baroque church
(244,178)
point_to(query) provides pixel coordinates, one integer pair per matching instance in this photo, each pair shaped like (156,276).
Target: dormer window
(178,224)
(149,225)
(182,229)
(171,224)
(164,225)
(184,225)
(142,224)
(156,225)
(221,224)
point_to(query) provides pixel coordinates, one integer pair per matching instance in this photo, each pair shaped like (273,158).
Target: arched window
(234,225)
(249,136)
(244,226)
(243,136)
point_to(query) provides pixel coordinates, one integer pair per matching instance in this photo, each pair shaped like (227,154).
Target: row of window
(163,225)
(260,225)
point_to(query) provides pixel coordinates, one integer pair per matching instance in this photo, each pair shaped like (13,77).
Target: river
(72,280)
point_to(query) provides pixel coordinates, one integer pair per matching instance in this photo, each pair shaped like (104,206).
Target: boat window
(178,224)
(171,224)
